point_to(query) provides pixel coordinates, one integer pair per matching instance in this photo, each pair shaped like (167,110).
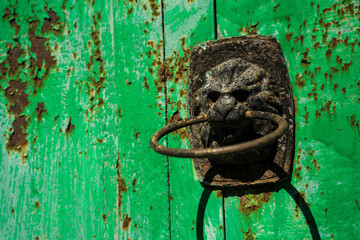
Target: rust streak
(121,185)
(70,128)
(40,109)
(253,202)
(12,55)
(50,23)
(126,223)
(41,52)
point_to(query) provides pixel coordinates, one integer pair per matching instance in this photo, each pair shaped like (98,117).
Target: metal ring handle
(227,150)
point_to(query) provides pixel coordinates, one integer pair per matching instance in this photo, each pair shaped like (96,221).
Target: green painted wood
(76,162)
(194,212)
(320,44)
(83,89)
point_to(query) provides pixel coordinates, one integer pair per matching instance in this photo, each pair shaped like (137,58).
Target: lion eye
(241,95)
(214,96)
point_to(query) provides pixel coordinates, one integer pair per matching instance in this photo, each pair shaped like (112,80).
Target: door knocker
(241,129)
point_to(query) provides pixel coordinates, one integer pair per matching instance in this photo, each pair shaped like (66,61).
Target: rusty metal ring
(221,151)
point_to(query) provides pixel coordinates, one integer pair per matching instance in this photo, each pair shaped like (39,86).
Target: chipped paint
(249,203)
(121,185)
(320,41)
(64,69)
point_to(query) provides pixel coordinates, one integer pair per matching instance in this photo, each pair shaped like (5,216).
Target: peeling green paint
(320,43)
(85,85)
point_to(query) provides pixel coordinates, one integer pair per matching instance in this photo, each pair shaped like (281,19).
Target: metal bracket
(228,78)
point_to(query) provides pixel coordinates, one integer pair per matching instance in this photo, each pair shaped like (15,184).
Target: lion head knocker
(229,90)
(241,108)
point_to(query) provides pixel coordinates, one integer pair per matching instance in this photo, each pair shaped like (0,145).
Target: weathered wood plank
(194,211)
(76,162)
(320,43)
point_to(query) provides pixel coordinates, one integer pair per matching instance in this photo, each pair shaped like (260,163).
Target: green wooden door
(84,85)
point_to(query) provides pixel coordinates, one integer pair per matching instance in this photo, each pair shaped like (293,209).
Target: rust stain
(119,112)
(299,81)
(134,185)
(297,172)
(70,128)
(250,28)
(91,2)
(299,197)
(328,54)
(354,122)
(104,217)
(130,10)
(219,194)
(121,185)
(171,198)
(96,67)
(306,116)
(164,72)
(40,109)
(12,56)
(311,152)
(12,210)
(17,140)
(326,106)
(126,223)
(316,164)
(356,201)
(146,84)
(317,114)
(11,17)
(17,97)
(42,54)
(51,24)
(346,66)
(155,9)
(249,203)
(37,205)
(322,87)
(157,65)
(275,8)
(182,133)
(136,133)
(248,235)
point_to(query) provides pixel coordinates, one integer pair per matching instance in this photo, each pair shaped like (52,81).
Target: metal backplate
(252,71)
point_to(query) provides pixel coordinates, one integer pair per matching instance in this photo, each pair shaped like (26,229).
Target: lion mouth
(222,136)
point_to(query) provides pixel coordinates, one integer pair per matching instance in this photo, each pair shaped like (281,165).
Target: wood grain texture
(86,169)
(85,84)
(195,213)
(320,44)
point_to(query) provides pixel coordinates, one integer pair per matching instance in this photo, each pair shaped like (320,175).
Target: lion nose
(225,104)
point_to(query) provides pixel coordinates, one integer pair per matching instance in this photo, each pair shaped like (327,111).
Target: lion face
(229,90)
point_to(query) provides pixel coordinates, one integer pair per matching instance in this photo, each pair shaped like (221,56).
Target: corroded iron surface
(227,78)
(230,151)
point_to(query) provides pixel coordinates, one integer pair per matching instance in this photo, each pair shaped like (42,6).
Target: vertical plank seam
(215,20)
(223,198)
(166,116)
(223,215)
